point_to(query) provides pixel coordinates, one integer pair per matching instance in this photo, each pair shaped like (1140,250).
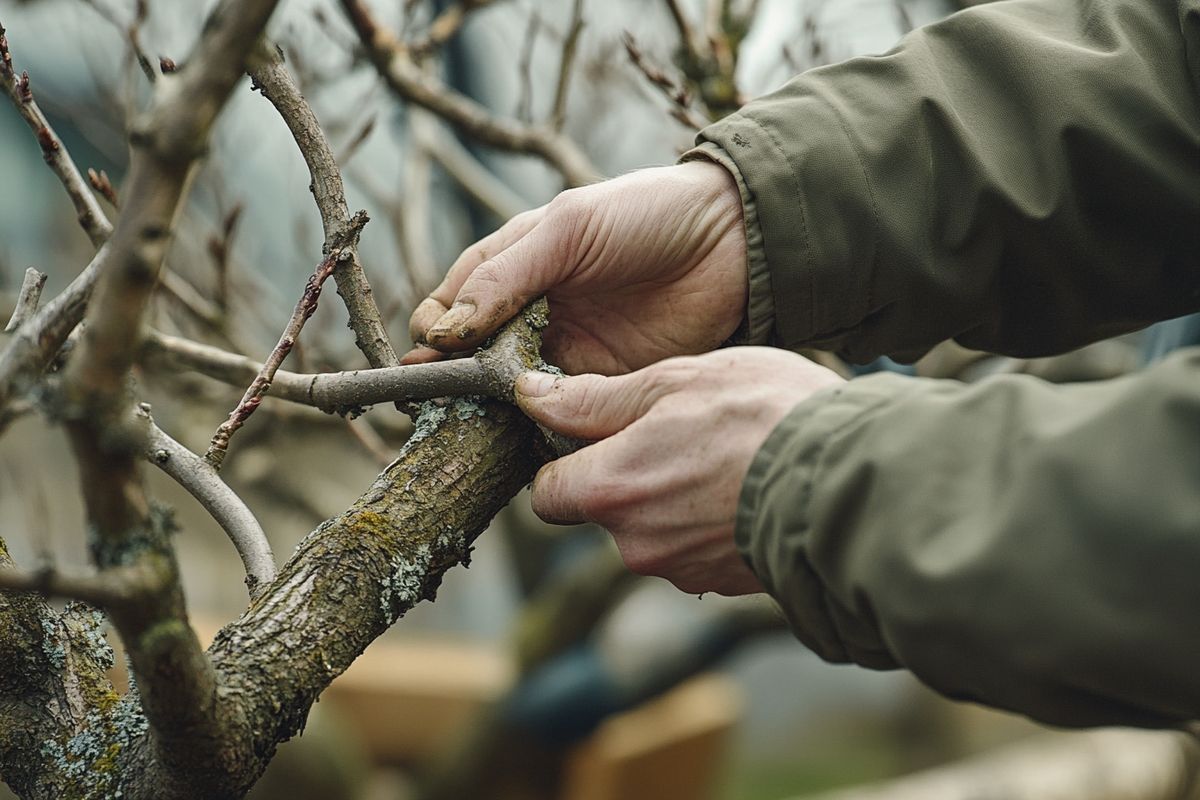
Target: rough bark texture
(347,582)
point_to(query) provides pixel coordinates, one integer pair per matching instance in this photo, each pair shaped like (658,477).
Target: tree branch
(570,45)
(91,216)
(358,573)
(272,79)
(676,92)
(101,589)
(52,688)
(201,481)
(27,299)
(471,176)
(37,341)
(445,27)
(176,684)
(332,392)
(305,308)
(405,78)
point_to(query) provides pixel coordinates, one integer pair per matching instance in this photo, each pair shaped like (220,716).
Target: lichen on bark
(347,582)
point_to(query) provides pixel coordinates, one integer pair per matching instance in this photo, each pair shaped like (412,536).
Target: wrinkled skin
(643,273)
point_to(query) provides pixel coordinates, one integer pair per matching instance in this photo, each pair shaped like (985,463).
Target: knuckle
(668,377)
(641,560)
(567,202)
(602,499)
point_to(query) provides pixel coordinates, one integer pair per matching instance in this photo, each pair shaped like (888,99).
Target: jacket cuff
(772,529)
(810,206)
(758,327)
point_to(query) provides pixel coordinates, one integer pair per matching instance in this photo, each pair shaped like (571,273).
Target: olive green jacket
(1024,178)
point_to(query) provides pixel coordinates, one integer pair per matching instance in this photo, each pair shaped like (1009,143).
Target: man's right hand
(637,269)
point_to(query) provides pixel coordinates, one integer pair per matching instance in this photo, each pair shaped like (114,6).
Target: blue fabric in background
(1166,337)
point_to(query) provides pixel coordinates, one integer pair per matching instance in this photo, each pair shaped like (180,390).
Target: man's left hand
(672,444)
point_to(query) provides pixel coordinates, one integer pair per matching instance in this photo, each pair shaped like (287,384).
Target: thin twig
(91,216)
(558,116)
(201,481)
(371,441)
(416,230)
(272,79)
(472,176)
(444,27)
(287,340)
(524,109)
(27,299)
(219,248)
(405,78)
(689,39)
(36,342)
(196,304)
(676,92)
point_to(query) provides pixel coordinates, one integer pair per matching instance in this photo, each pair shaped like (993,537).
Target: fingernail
(453,323)
(535,384)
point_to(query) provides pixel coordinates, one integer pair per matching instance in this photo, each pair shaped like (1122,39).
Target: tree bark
(348,581)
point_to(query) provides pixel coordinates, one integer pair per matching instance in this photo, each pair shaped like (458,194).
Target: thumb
(590,407)
(500,287)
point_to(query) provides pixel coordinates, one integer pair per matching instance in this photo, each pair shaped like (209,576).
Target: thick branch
(271,77)
(406,79)
(52,688)
(176,684)
(305,308)
(201,481)
(27,299)
(354,576)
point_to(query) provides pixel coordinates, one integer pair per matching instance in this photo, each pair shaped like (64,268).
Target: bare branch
(473,177)
(569,50)
(91,216)
(445,27)
(524,110)
(201,481)
(37,341)
(101,589)
(272,79)
(27,299)
(675,92)
(333,392)
(689,39)
(287,340)
(406,79)
(371,441)
(176,682)
(190,300)
(416,229)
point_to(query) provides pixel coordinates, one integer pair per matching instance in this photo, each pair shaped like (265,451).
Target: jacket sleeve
(1031,546)
(1023,177)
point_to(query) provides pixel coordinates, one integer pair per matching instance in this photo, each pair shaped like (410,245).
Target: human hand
(636,269)
(675,441)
